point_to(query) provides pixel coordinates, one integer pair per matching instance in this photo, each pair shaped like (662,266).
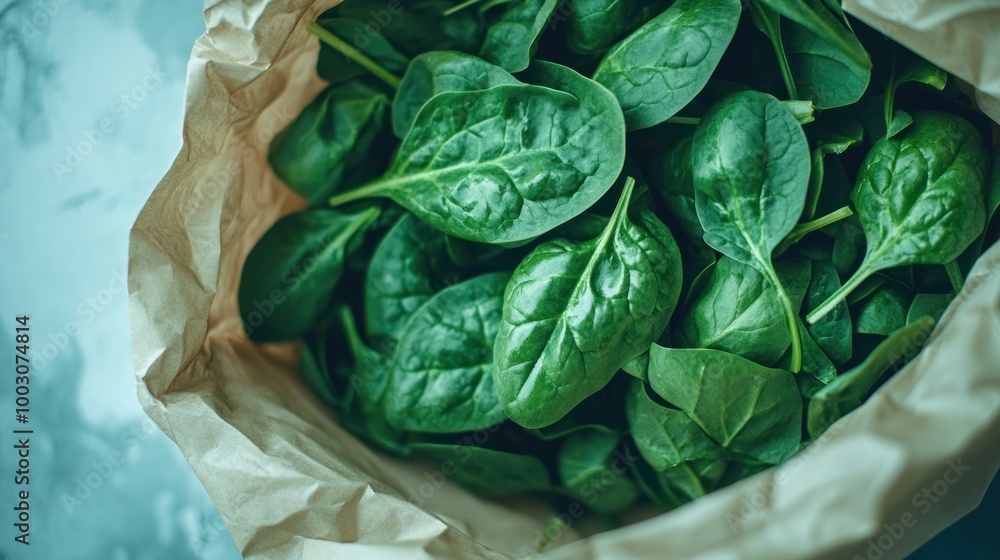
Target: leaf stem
(954,275)
(352,53)
(791,318)
(354,341)
(774,34)
(805,228)
(371,190)
(460,7)
(684,120)
(834,300)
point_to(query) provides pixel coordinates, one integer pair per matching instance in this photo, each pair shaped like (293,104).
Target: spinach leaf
(439,71)
(315,372)
(745,407)
(408,267)
(679,485)
(834,332)
(815,362)
(660,68)
(486,472)
(593,26)
(671,178)
(823,72)
(290,274)
(738,311)
(919,197)
(509,163)
(909,67)
(333,135)
(595,472)
(882,313)
(665,437)
(751,176)
(512,39)
(816,17)
(442,373)
(574,312)
(849,390)
(927,305)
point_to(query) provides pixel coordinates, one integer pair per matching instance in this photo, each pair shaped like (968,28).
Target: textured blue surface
(106,484)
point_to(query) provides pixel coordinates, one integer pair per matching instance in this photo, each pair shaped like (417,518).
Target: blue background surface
(106,483)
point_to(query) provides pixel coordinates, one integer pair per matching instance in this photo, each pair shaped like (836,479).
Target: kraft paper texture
(291,484)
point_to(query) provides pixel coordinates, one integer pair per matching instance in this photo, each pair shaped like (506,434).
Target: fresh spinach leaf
(848,391)
(336,66)
(442,373)
(909,67)
(512,39)
(409,266)
(509,163)
(289,275)
(332,136)
(665,437)
(671,178)
(574,312)
(823,72)
(927,305)
(660,68)
(738,311)
(436,72)
(751,176)
(882,313)
(745,407)
(834,332)
(919,198)
(593,26)
(594,471)
(816,17)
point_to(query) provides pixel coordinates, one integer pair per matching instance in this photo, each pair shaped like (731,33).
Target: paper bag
(291,484)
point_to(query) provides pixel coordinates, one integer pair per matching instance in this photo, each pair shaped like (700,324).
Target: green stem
(774,34)
(954,275)
(354,341)
(834,300)
(460,7)
(371,190)
(546,541)
(791,318)
(803,229)
(352,53)
(684,120)
(890,92)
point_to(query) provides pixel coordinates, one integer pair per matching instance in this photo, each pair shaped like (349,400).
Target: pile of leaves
(607,249)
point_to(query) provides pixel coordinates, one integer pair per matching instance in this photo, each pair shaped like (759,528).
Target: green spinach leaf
(595,472)
(509,163)
(751,176)
(442,373)
(574,312)
(487,472)
(660,68)
(512,39)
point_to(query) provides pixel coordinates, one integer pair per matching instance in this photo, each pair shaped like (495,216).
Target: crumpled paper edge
(303,488)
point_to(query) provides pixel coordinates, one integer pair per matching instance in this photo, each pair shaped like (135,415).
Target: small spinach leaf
(927,305)
(834,332)
(848,391)
(665,437)
(487,472)
(744,407)
(512,39)
(593,470)
(660,68)
(883,313)
(442,373)
(919,198)
(290,274)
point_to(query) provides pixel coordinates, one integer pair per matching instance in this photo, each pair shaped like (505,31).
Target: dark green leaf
(665,437)
(927,305)
(834,332)
(574,312)
(882,313)
(595,472)
(486,471)
(290,274)
(511,41)
(593,26)
(442,374)
(660,68)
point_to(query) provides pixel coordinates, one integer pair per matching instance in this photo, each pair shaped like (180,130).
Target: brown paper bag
(291,484)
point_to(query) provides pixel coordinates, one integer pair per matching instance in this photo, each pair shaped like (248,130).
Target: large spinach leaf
(745,407)
(919,198)
(594,471)
(660,68)
(574,312)
(509,163)
(442,373)
(751,175)
(290,274)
